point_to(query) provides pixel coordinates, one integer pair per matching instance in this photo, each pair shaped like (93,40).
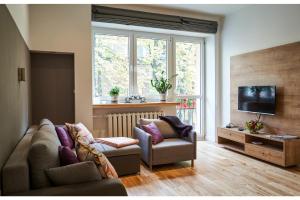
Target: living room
(126,99)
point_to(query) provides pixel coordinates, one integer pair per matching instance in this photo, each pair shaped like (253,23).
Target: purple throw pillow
(64,137)
(67,156)
(154,131)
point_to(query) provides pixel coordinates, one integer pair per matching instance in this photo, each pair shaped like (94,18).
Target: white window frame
(171,59)
(146,35)
(111,32)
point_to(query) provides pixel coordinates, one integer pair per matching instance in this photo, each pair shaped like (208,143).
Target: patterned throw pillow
(79,128)
(86,152)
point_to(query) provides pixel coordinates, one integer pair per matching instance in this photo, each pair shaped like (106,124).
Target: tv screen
(257,99)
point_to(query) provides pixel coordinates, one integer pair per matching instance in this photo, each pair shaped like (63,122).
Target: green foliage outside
(111,59)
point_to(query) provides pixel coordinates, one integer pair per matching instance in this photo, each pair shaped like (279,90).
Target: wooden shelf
(135,105)
(268,146)
(234,147)
(280,152)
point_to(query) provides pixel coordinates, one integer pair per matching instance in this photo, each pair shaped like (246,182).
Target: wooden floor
(217,171)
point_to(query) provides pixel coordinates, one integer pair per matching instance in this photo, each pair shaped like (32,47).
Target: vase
(114,99)
(163,97)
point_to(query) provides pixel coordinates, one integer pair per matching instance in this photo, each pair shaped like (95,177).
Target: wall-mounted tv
(257,99)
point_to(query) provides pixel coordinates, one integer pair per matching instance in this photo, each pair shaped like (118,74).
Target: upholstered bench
(126,160)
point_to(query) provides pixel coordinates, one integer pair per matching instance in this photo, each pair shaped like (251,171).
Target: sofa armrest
(145,142)
(105,187)
(192,137)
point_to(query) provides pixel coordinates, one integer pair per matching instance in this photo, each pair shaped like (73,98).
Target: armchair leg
(150,166)
(192,163)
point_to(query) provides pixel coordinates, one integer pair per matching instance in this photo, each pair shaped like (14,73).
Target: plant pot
(114,99)
(163,97)
(253,131)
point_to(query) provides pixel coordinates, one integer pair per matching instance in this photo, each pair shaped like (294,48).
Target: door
(52,87)
(189,81)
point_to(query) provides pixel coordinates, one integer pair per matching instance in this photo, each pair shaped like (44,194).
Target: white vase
(114,99)
(163,96)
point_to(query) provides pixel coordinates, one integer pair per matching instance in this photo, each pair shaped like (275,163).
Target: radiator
(121,125)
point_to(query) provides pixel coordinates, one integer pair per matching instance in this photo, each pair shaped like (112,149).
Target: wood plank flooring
(217,171)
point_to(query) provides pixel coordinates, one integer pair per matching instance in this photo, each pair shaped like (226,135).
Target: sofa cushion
(74,173)
(172,150)
(47,125)
(110,151)
(154,132)
(43,154)
(64,137)
(166,130)
(67,156)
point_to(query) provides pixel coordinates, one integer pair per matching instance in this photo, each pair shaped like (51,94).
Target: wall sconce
(21,74)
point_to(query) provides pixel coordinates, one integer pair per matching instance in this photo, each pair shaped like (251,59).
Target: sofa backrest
(166,130)
(36,152)
(15,172)
(43,154)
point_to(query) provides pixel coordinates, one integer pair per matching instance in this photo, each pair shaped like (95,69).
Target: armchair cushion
(74,173)
(172,150)
(166,130)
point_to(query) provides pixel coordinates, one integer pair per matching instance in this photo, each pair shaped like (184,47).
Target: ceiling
(215,9)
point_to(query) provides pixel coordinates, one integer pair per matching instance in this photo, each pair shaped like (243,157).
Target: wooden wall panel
(278,66)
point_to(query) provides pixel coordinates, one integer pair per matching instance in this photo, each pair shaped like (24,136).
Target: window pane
(187,68)
(151,61)
(188,83)
(111,64)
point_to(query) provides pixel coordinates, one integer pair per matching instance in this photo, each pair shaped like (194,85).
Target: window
(111,64)
(151,62)
(130,59)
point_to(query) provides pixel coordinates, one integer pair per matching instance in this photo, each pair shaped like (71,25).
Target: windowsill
(135,105)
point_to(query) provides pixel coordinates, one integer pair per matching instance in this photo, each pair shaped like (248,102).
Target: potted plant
(114,93)
(162,85)
(254,125)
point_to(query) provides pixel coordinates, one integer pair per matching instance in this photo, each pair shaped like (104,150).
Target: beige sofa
(25,171)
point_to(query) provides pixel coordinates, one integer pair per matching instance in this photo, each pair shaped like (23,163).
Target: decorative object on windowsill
(254,125)
(114,93)
(162,85)
(133,99)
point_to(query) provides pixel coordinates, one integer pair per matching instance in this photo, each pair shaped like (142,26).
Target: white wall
(67,28)
(210,88)
(252,28)
(20,14)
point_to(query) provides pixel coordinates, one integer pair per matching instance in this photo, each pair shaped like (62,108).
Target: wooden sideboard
(281,152)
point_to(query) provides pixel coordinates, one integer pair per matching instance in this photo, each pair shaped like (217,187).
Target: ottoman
(126,160)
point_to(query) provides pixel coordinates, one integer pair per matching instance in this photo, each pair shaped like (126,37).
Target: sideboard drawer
(231,135)
(265,153)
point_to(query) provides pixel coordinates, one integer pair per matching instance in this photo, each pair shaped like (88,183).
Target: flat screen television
(257,99)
